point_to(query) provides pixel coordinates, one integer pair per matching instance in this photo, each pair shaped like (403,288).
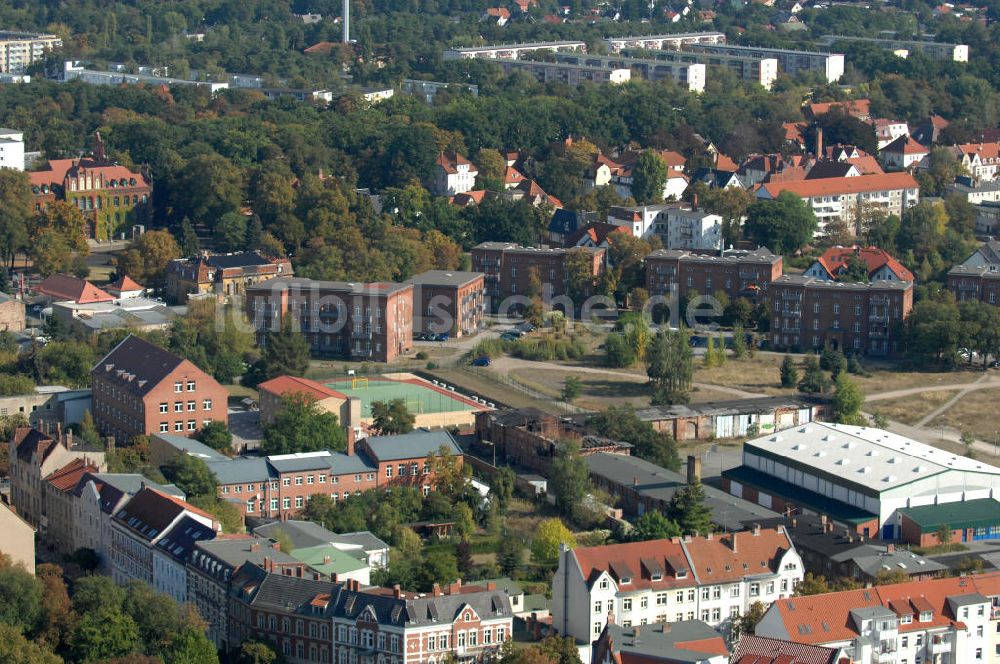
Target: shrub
(422,355)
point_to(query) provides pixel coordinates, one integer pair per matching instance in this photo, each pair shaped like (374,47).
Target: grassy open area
(240,392)
(482,384)
(910,409)
(975,413)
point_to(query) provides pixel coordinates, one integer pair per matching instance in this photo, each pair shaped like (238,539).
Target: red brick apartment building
(981,282)
(860,318)
(508,268)
(280,486)
(448,302)
(355,321)
(738,274)
(141,389)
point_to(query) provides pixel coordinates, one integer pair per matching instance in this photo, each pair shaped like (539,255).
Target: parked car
(525,328)
(481,361)
(443,336)
(510,335)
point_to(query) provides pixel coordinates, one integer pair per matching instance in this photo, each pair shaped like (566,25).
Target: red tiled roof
(283,385)
(867,164)
(469,197)
(597,231)
(635,559)
(66,478)
(857,107)
(322,48)
(125,283)
(826,618)
(62,287)
(512,176)
(982,150)
(724,163)
(835,259)
(753,649)
(450,161)
(498,12)
(56,171)
(716,561)
(850,185)
(712,646)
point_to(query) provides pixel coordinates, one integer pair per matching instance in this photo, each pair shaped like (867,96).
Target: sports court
(421,397)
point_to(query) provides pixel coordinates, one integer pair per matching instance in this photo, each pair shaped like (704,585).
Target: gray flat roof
(758,256)
(444,278)
(346,287)
(813,282)
(659,483)
(678,35)
(191,446)
(411,445)
(500,47)
(729,407)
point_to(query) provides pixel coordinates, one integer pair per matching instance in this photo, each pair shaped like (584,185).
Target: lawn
(910,409)
(971,414)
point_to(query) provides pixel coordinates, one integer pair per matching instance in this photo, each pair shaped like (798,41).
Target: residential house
(682,642)
(362,545)
(988,253)
(565,223)
(308,619)
(902,153)
(862,318)
(639,220)
(888,131)
(736,273)
(59,507)
(18,50)
(66,288)
(510,269)
(829,65)
(976,193)
(843,553)
(140,389)
(753,649)
(680,227)
(714,578)
(971,520)
(497,15)
(357,321)
(51,405)
(221,275)
(35,455)
(454,174)
(11,313)
(595,234)
(138,528)
(857,108)
(448,302)
(928,131)
(980,160)
(948,620)
(530,191)
(980,283)
(97,497)
(11,146)
(110,196)
(570,73)
(18,541)
(125,288)
(132,314)
(718,178)
(849,200)
(881,266)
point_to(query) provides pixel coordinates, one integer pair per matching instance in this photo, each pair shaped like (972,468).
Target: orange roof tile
(856,107)
(905,145)
(835,259)
(283,385)
(640,560)
(718,560)
(125,283)
(512,176)
(713,646)
(469,197)
(851,185)
(62,287)
(867,164)
(724,163)
(450,161)
(66,478)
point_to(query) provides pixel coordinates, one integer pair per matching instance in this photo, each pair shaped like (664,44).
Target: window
(473,638)
(381,641)
(286,503)
(501,634)
(734,591)
(432,642)
(388,471)
(704,592)
(250,505)
(190,406)
(627,604)
(190,386)
(704,615)
(461,639)
(487,637)
(178,406)
(178,426)
(979,631)
(164,427)
(597,628)
(905,642)
(604,584)
(680,597)
(444,643)
(717,592)
(286,481)
(192,425)
(598,606)
(309,479)
(322,479)
(206,404)
(784,585)
(274,504)
(298,480)
(661,599)
(178,388)
(770,587)
(164,407)
(754,590)
(716,614)
(298,501)
(979,653)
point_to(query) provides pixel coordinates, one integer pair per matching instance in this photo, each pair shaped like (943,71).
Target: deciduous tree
(300,426)
(550,535)
(392,417)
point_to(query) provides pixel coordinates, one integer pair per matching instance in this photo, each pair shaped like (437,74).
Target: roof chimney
(69,439)
(734,543)
(350,441)
(819,142)
(255,546)
(756,529)
(436,590)
(326,560)
(890,548)
(396,591)
(491,585)
(694,201)
(795,523)
(635,481)
(693,469)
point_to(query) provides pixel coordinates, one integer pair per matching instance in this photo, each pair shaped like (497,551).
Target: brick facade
(742,274)
(372,322)
(448,302)
(970,284)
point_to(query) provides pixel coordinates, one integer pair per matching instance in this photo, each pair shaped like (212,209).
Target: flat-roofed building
(448,302)
(356,321)
(688,75)
(568,73)
(18,50)
(831,65)
(763,71)
(971,284)
(932,49)
(738,274)
(859,478)
(672,42)
(861,318)
(511,51)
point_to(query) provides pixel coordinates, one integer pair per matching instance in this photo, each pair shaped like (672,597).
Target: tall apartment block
(791,62)
(20,49)
(509,268)
(738,274)
(855,318)
(664,42)
(356,321)
(448,302)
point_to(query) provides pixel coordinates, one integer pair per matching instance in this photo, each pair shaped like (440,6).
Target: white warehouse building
(858,477)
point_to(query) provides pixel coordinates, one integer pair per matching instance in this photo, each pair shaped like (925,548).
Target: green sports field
(418,398)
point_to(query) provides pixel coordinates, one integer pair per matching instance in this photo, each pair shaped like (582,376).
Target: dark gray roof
(244,259)
(113,486)
(416,444)
(444,278)
(829,168)
(813,282)
(235,552)
(279,592)
(293,463)
(967,599)
(241,470)
(728,407)
(658,483)
(657,642)
(180,540)
(305,534)
(191,446)
(362,538)
(759,256)
(136,365)
(149,513)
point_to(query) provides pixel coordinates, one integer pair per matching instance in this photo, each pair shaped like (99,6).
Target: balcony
(791,295)
(939,645)
(876,332)
(792,311)
(876,316)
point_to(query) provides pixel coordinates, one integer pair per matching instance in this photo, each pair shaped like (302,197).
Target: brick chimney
(326,560)
(890,548)
(490,585)
(819,142)
(694,201)
(456,587)
(693,469)
(350,441)
(255,546)
(756,530)
(733,542)
(436,590)
(397,591)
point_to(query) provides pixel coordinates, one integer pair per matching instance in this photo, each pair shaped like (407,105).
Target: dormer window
(626,579)
(657,576)
(906,619)
(926,616)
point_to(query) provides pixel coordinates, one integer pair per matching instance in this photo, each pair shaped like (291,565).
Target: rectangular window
(627,604)
(286,503)
(190,386)
(388,471)
(298,501)
(250,505)
(286,481)
(178,388)
(178,426)
(178,406)
(206,404)
(274,504)
(190,406)
(192,425)
(322,479)
(164,427)
(164,407)
(298,480)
